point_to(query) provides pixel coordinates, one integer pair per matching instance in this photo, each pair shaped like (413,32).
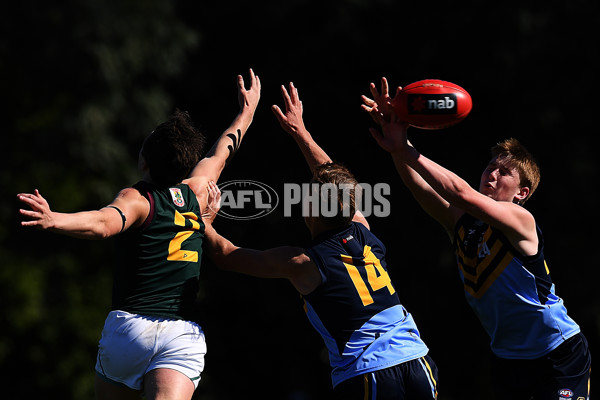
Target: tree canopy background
(84,82)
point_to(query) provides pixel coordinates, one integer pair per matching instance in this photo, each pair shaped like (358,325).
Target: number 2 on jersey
(377,276)
(176,253)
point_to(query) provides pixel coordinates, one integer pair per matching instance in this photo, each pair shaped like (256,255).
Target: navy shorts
(411,380)
(562,374)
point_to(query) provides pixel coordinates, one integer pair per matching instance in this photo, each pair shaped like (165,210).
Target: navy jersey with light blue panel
(356,308)
(511,293)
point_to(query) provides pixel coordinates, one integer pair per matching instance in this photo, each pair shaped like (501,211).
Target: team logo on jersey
(565,394)
(177,197)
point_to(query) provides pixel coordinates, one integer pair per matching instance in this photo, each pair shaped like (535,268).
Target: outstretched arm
(445,195)
(513,220)
(287,262)
(211,166)
(291,121)
(393,139)
(128,209)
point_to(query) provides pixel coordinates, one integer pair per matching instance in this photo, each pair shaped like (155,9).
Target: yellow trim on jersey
(478,269)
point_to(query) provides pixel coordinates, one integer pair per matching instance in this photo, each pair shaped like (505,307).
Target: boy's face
(500,181)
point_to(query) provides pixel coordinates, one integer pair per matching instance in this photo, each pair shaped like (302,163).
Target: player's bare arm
(128,209)
(283,262)
(512,219)
(393,139)
(291,121)
(287,262)
(211,166)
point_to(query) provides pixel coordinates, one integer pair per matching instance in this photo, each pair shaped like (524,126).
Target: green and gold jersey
(158,265)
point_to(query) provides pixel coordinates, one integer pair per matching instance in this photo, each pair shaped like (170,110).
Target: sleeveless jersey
(511,293)
(356,309)
(158,264)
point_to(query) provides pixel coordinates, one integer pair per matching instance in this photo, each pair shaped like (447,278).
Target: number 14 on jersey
(377,276)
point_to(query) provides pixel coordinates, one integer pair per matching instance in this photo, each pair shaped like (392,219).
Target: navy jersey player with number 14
(375,349)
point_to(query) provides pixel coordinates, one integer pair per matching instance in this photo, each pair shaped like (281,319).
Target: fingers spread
(367,100)
(277,111)
(294,91)
(286,96)
(373,90)
(29,200)
(385,90)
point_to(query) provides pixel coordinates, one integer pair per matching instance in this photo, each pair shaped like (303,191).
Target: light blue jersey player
(539,352)
(375,349)
(502,284)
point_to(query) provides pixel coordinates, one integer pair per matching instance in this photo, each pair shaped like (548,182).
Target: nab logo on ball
(432,104)
(246,199)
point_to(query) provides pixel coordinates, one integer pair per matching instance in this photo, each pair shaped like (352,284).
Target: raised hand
(392,136)
(291,121)
(380,107)
(39,215)
(249,97)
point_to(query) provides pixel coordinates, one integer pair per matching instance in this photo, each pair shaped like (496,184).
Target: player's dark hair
(347,191)
(518,157)
(173,149)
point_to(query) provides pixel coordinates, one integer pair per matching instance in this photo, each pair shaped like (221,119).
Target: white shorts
(132,345)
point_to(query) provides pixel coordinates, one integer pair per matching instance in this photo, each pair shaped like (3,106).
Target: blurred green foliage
(85,83)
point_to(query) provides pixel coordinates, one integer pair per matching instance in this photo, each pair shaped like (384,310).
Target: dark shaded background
(83,83)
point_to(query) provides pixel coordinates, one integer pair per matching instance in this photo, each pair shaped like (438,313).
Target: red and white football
(432,104)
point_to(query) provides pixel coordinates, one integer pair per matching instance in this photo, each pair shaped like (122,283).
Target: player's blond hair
(348,191)
(519,158)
